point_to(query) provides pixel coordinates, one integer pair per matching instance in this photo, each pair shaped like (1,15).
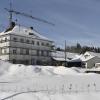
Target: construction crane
(11,11)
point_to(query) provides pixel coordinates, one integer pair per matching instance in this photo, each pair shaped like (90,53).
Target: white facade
(24,45)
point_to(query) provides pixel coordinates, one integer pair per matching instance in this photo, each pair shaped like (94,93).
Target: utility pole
(10,14)
(65,54)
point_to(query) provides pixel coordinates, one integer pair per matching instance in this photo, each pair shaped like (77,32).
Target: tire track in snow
(16,94)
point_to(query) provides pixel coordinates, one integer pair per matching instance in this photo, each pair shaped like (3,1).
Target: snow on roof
(86,59)
(24,31)
(60,59)
(82,58)
(93,54)
(60,55)
(87,56)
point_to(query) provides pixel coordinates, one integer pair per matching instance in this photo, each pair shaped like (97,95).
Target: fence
(62,89)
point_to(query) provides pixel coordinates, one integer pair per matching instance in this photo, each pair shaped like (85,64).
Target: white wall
(91,63)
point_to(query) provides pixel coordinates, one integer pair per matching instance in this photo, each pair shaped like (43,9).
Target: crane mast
(10,14)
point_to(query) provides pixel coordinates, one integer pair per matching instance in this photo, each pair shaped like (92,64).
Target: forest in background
(78,48)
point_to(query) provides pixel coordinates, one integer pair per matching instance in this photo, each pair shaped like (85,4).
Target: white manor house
(19,44)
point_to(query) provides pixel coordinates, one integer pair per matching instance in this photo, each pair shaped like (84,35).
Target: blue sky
(75,20)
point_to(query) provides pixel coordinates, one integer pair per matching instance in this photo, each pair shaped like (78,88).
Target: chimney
(31,28)
(12,25)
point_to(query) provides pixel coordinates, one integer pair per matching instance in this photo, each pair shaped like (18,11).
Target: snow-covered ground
(19,82)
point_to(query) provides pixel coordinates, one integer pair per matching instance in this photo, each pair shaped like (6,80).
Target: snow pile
(40,70)
(4,67)
(77,69)
(29,70)
(64,70)
(23,70)
(49,83)
(46,70)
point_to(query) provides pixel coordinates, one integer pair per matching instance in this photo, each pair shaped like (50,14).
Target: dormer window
(31,33)
(86,56)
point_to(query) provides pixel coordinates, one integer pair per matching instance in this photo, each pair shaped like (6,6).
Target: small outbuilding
(90,59)
(58,58)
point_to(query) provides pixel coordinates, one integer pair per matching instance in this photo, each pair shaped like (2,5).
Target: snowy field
(19,82)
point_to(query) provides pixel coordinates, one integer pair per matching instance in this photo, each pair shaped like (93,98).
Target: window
(27,51)
(38,43)
(86,56)
(1,40)
(37,52)
(27,41)
(47,53)
(42,53)
(27,62)
(14,51)
(15,39)
(0,50)
(5,39)
(47,44)
(33,42)
(42,44)
(31,33)
(21,51)
(5,51)
(21,40)
(14,61)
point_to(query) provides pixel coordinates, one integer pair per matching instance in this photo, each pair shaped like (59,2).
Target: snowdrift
(4,67)
(64,70)
(50,82)
(19,69)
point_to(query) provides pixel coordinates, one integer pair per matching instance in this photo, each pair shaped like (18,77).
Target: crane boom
(27,15)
